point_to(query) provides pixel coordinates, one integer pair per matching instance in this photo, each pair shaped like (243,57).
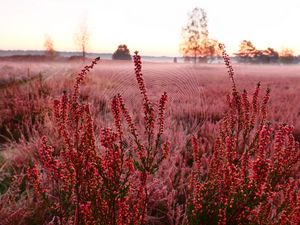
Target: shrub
(252,177)
(81,184)
(24,105)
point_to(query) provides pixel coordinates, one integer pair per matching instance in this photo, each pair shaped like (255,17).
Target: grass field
(196,105)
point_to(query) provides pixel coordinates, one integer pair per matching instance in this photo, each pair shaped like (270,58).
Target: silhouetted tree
(195,40)
(49,47)
(122,53)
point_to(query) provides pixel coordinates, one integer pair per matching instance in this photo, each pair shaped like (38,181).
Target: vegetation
(94,160)
(82,37)
(249,54)
(196,43)
(122,53)
(251,176)
(49,47)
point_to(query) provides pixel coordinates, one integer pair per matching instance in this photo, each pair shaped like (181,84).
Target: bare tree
(195,40)
(82,38)
(49,47)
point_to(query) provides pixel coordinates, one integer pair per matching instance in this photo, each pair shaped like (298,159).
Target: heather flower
(251,169)
(81,186)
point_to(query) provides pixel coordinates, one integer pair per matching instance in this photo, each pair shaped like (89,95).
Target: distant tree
(195,40)
(82,38)
(212,48)
(247,51)
(287,55)
(49,47)
(268,55)
(122,53)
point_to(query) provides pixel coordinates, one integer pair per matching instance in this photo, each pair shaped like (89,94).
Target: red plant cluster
(22,112)
(252,176)
(80,183)
(246,172)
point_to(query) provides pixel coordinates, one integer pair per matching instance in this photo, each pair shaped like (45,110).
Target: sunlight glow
(152,27)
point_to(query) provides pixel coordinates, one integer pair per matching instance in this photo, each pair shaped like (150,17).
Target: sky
(152,27)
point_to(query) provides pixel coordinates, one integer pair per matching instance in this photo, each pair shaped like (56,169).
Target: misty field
(199,137)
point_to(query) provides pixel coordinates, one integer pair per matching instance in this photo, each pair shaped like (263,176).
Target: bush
(252,177)
(24,105)
(80,186)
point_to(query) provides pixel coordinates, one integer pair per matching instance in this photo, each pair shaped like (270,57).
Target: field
(196,106)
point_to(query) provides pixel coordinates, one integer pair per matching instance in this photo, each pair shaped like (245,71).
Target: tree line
(197,46)
(82,38)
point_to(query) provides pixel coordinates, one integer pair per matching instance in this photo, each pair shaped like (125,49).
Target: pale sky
(152,27)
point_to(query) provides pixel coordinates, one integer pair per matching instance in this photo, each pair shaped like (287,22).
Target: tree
(82,38)
(247,51)
(287,55)
(268,55)
(122,53)
(212,48)
(49,47)
(195,40)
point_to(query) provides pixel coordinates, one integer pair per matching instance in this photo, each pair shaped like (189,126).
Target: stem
(77,199)
(144,183)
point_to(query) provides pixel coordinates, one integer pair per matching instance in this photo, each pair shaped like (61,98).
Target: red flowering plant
(81,183)
(253,173)
(149,150)
(65,179)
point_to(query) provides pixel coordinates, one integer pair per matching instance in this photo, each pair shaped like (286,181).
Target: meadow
(206,152)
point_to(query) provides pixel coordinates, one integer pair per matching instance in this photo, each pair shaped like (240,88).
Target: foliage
(252,175)
(195,39)
(25,105)
(118,168)
(80,186)
(122,53)
(249,54)
(49,47)
(287,55)
(247,50)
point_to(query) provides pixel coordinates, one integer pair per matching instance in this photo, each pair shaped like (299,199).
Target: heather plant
(17,203)
(24,105)
(252,176)
(101,166)
(81,184)
(150,151)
